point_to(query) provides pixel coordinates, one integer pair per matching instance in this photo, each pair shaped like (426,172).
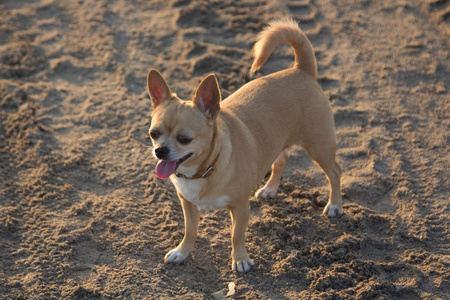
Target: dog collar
(204,175)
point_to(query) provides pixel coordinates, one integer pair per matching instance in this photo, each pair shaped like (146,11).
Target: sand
(83,216)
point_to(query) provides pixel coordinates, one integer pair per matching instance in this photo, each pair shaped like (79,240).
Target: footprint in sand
(180,3)
(329,84)
(195,49)
(441,10)
(305,13)
(21,60)
(347,117)
(198,16)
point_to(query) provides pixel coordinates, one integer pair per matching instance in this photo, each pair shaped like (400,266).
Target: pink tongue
(165,168)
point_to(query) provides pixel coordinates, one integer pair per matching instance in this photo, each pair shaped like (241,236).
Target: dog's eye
(183,140)
(155,134)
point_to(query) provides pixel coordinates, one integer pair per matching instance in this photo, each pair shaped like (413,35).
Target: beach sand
(83,216)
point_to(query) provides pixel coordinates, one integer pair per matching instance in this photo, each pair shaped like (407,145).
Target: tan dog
(215,152)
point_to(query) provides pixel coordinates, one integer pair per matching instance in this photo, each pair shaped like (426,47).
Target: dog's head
(181,131)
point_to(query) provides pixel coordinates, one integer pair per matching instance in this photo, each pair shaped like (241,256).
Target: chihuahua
(215,152)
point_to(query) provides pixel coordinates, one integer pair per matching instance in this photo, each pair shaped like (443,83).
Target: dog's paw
(266,192)
(333,210)
(242,266)
(174,257)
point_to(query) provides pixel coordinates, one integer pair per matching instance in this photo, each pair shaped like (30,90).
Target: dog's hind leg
(325,157)
(269,190)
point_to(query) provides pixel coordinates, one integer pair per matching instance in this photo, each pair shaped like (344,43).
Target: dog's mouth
(165,168)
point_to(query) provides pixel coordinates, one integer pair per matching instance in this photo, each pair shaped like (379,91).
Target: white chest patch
(190,189)
(212,204)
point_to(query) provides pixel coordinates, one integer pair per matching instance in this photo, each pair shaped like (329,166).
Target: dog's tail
(285,31)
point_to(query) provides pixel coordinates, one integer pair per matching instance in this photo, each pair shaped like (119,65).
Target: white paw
(266,192)
(242,266)
(174,257)
(333,210)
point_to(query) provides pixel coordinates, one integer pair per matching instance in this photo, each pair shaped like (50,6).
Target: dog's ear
(207,97)
(157,88)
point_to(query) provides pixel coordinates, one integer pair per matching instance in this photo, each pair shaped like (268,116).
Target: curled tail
(285,31)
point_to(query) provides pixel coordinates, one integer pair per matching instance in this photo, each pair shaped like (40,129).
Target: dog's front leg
(239,217)
(191,219)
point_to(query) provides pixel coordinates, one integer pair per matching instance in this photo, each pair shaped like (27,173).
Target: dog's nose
(162,152)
